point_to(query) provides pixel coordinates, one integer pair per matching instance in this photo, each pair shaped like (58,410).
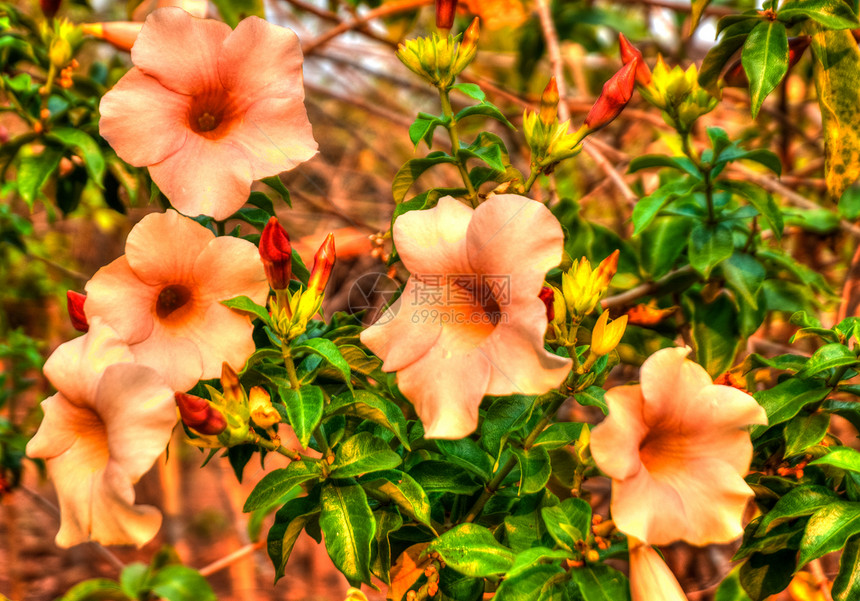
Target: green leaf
(472,90)
(328,350)
(716,336)
(786,399)
(275,183)
(828,357)
(758,198)
(404,491)
(846,586)
(441,476)
(659,248)
(245,304)
(423,129)
(697,9)
(649,161)
(505,416)
(730,588)
(85,147)
(828,530)
(599,582)
(485,109)
(833,14)
(348,526)
(763,575)
(367,405)
(290,520)
(559,435)
(34,171)
(181,583)
(275,484)
(765,61)
(97,589)
(798,502)
(527,584)
(745,275)
(805,431)
(529,557)
(568,522)
(388,520)
(472,550)
(304,408)
(647,208)
(491,155)
(535,469)
(709,246)
(843,458)
(837,70)
(466,453)
(233,11)
(134,579)
(361,454)
(413,169)
(717,57)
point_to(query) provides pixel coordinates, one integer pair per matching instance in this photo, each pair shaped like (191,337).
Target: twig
(685,7)
(591,149)
(220,564)
(392,8)
(551,38)
(851,289)
(647,289)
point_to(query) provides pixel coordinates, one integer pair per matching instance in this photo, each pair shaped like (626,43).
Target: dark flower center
(171,299)
(206,122)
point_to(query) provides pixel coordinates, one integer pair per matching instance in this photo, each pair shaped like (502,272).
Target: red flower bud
(547,296)
(230,384)
(445,13)
(630,53)
(470,37)
(323,263)
(75,304)
(199,415)
(614,97)
(735,76)
(796,46)
(50,7)
(549,103)
(276,252)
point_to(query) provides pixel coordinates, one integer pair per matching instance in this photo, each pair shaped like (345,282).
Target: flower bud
(549,103)
(120,34)
(614,97)
(547,296)
(50,7)
(606,270)
(233,392)
(648,315)
(606,336)
(323,263)
(260,406)
(276,252)
(470,36)
(199,414)
(796,47)
(75,305)
(583,286)
(630,53)
(445,13)
(60,52)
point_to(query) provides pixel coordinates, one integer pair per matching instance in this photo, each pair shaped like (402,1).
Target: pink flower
(102,431)
(470,321)
(676,447)
(650,577)
(209,110)
(163,297)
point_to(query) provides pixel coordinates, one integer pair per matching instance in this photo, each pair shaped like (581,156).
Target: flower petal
(116,295)
(516,236)
(670,382)
(402,335)
(57,431)
(615,441)
(275,135)
(446,389)
(177,359)
(139,412)
(515,349)
(650,577)
(163,247)
(720,407)
(205,177)
(648,509)
(433,242)
(228,267)
(142,120)
(180,51)
(259,58)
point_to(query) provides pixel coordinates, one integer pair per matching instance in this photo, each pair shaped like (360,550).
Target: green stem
(322,441)
(531,180)
(455,145)
(291,368)
(705,170)
(277,448)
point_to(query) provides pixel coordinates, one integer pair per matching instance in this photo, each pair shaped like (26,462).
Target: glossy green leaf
(246,305)
(558,435)
(362,454)
(715,332)
(413,169)
(846,586)
(181,583)
(837,71)
(85,147)
(717,58)
(278,482)
(805,431)
(505,416)
(798,502)
(710,245)
(599,582)
(833,14)
(367,405)
(441,476)
(730,588)
(764,575)
(472,90)
(593,396)
(97,589)
(647,208)
(535,469)
(568,522)
(134,579)
(290,520)
(828,357)
(660,250)
(745,275)
(765,61)
(304,408)
(34,171)
(472,550)
(486,110)
(388,520)
(786,399)
(423,129)
(327,350)
(843,458)
(697,9)
(275,183)
(348,526)
(533,555)
(233,11)
(829,529)
(468,454)
(649,161)
(402,490)
(527,584)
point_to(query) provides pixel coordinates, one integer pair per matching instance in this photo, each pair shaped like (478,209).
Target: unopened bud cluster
(438,60)
(678,94)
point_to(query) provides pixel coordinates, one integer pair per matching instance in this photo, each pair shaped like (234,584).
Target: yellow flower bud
(606,336)
(583,287)
(260,406)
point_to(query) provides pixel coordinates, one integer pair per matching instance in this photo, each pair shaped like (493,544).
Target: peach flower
(163,297)
(677,448)
(123,34)
(209,110)
(102,431)
(650,577)
(470,321)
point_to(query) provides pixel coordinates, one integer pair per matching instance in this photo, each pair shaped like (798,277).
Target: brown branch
(551,38)
(220,564)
